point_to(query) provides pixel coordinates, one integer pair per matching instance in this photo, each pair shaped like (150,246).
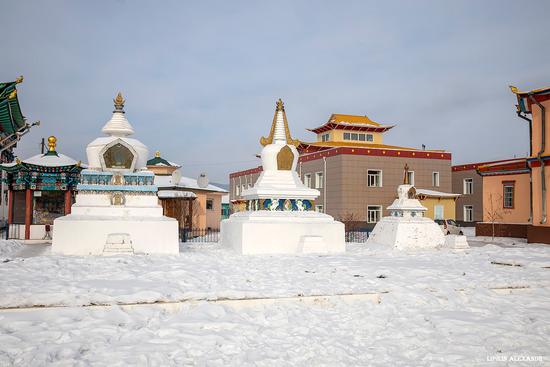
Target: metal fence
(213,235)
(357,236)
(199,235)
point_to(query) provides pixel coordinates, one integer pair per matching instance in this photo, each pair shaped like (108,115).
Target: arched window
(118,157)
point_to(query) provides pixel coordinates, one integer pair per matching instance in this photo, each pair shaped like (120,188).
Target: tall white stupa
(280,218)
(116,209)
(407,227)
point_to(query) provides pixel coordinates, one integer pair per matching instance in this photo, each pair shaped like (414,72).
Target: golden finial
(17,160)
(79,163)
(514,90)
(157,154)
(406,176)
(13,94)
(280,105)
(52,141)
(19,80)
(119,102)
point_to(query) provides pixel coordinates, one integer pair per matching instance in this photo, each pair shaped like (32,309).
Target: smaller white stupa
(407,227)
(280,218)
(117,209)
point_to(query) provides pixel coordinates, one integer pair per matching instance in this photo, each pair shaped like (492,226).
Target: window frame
(436,179)
(211,201)
(319,184)
(379,210)
(411,178)
(380,177)
(467,180)
(346,136)
(307,180)
(465,208)
(369,137)
(508,184)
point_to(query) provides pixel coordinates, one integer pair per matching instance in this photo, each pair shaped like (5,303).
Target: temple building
(13,126)
(357,174)
(195,203)
(40,189)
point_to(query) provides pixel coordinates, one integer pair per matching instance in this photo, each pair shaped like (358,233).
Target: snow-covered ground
(437,308)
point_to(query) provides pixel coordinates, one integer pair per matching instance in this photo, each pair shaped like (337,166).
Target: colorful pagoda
(41,189)
(13,124)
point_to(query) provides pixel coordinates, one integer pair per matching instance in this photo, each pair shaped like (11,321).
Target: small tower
(279,217)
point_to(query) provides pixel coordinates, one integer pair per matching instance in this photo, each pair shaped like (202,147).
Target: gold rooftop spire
(119,102)
(52,142)
(280,107)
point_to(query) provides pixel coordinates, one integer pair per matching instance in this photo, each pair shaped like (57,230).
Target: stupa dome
(117,152)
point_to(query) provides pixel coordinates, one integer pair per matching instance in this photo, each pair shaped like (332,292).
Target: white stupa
(117,208)
(407,227)
(280,217)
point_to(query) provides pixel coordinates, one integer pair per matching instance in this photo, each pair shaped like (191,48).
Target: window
(468,186)
(410,177)
(347,136)
(369,137)
(47,205)
(468,213)
(435,179)
(319,180)
(325,137)
(439,212)
(319,208)
(118,157)
(508,196)
(354,136)
(374,213)
(237,191)
(307,179)
(209,204)
(374,178)
(243,187)
(361,137)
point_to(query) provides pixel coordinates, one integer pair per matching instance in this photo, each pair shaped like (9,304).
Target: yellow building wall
(449,207)
(338,135)
(492,198)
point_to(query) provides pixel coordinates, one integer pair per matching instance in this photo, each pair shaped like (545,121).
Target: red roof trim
(474,166)
(336,126)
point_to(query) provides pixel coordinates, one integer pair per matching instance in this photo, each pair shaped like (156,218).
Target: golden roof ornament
(157,154)
(119,103)
(13,94)
(52,142)
(19,80)
(280,107)
(406,175)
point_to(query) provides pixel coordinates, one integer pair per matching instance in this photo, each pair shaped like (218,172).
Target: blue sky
(201,78)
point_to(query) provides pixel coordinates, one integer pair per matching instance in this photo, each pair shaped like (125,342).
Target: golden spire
(280,107)
(19,80)
(157,154)
(52,141)
(119,102)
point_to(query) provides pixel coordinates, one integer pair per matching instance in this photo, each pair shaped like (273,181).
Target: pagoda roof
(157,160)
(51,161)
(524,100)
(351,122)
(11,118)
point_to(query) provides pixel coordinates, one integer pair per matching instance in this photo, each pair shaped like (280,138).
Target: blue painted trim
(136,188)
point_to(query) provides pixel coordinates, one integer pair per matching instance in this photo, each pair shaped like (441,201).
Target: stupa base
(87,235)
(280,232)
(407,233)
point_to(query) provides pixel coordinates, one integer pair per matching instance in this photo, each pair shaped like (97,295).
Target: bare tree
(495,211)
